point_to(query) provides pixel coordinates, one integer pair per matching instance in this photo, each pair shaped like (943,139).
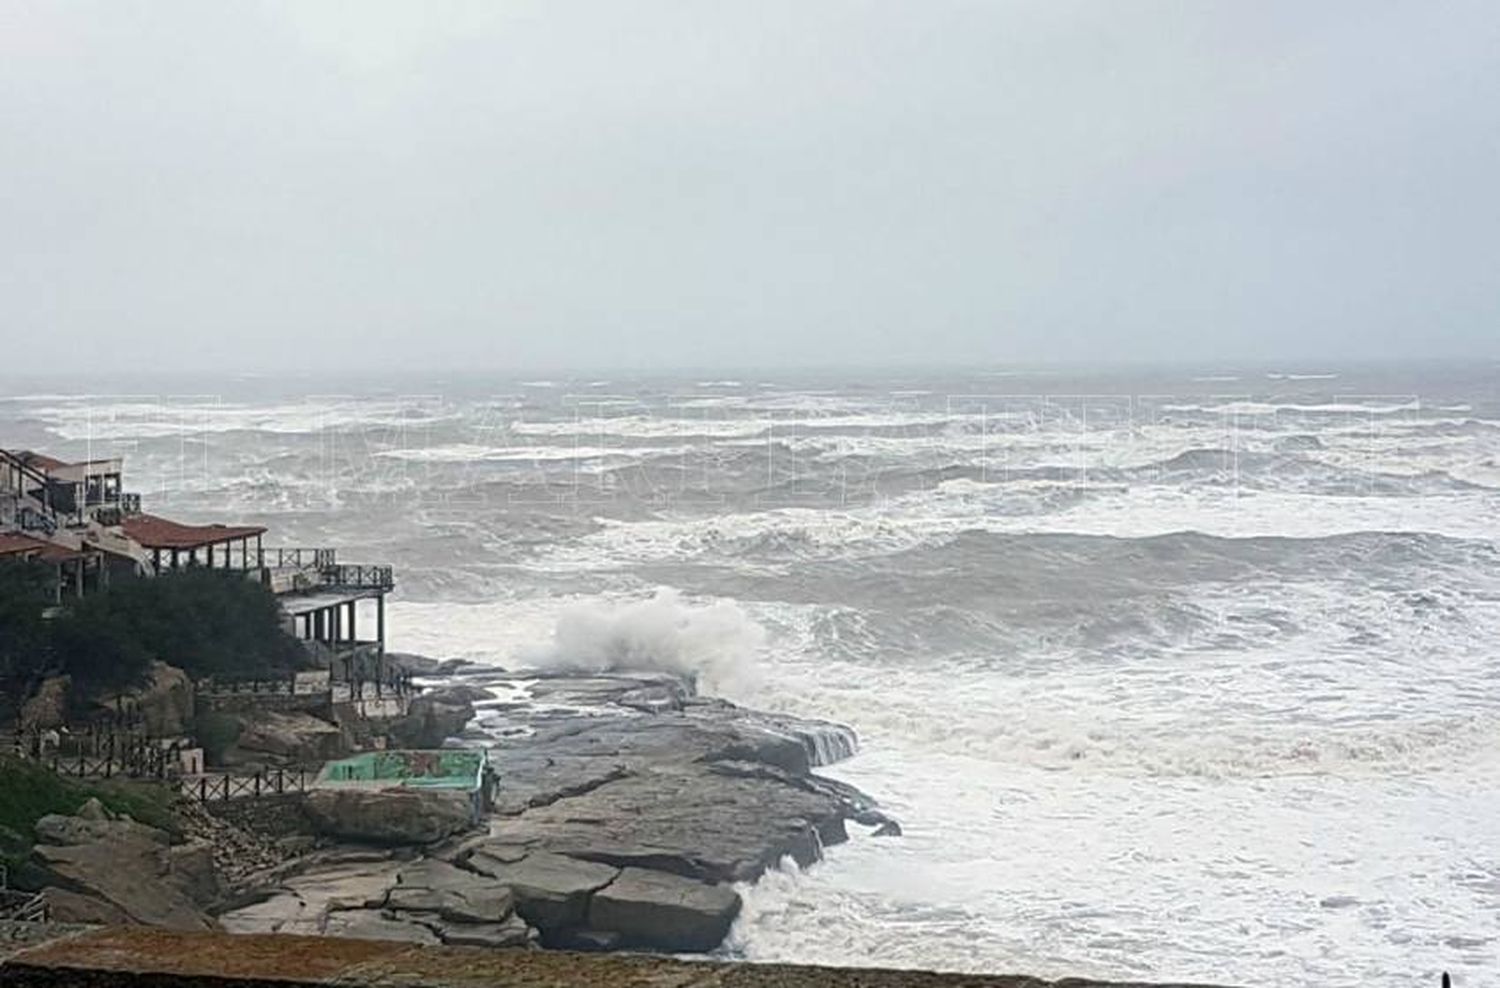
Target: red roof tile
(14,543)
(154,532)
(40,461)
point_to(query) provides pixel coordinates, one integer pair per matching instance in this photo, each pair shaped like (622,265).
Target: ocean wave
(172,419)
(1263,408)
(470,453)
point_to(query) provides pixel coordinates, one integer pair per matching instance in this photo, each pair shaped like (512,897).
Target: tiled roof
(16,544)
(39,460)
(154,532)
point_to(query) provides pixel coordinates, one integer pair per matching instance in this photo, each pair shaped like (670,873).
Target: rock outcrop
(165,701)
(116,868)
(435,716)
(626,810)
(276,738)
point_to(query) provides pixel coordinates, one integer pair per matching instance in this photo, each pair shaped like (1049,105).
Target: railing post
(202,788)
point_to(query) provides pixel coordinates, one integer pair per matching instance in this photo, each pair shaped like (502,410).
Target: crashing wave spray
(712,645)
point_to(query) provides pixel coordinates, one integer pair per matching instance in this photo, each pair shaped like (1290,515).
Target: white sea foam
(471,453)
(715,643)
(157,418)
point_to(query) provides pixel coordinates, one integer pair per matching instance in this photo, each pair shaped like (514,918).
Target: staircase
(28,512)
(33,514)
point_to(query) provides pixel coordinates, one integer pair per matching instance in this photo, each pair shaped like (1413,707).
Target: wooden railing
(22,907)
(297,558)
(219,787)
(360,577)
(139,763)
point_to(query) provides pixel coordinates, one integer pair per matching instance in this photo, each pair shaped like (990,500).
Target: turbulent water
(1168,674)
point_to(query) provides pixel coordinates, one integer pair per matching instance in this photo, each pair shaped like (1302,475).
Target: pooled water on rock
(1167,675)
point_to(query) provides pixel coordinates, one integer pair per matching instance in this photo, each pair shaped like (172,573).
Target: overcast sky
(516,184)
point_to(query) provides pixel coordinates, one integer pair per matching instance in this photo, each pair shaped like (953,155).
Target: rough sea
(1168,673)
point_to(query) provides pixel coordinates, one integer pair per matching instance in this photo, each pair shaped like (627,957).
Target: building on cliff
(78,519)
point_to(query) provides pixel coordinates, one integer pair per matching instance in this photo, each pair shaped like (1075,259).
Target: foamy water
(1194,676)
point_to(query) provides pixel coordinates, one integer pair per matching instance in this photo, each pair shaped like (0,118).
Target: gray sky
(705,182)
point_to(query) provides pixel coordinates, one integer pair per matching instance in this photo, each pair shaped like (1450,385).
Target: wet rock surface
(626,809)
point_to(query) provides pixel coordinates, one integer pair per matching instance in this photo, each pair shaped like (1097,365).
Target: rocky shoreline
(627,809)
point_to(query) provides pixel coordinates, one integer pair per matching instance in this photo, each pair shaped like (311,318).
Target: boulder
(390,816)
(64,831)
(664,912)
(436,716)
(127,873)
(551,891)
(287,738)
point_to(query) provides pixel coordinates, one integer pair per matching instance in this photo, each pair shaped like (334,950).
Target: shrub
(206,622)
(25,642)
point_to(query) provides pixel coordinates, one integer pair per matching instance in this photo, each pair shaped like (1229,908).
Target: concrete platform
(138,958)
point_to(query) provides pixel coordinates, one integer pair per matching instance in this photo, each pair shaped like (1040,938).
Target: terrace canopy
(179,544)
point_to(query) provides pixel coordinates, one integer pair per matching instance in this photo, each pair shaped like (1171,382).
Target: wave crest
(715,645)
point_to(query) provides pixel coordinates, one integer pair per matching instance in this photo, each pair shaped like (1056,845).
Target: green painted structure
(448,768)
(462,770)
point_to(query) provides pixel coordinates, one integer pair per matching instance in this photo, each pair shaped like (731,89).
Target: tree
(206,622)
(25,643)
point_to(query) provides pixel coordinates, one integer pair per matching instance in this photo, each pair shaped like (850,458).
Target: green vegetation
(206,622)
(29,792)
(216,732)
(25,592)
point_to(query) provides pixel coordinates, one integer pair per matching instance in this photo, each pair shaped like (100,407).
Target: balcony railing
(361,577)
(298,558)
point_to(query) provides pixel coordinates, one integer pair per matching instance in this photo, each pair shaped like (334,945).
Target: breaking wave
(712,644)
